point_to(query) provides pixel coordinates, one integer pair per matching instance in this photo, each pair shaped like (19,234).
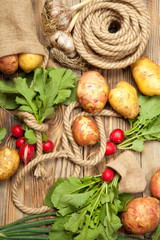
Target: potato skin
(29,61)
(9,64)
(146,74)
(9,162)
(123,99)
(92,91)
(85,131)
(142,215)
(155,184)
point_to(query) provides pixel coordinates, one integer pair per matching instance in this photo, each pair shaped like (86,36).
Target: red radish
(26,152)
(117,136)
(108,175)
(20,142)
(110,148)
(17,131)
(48,146)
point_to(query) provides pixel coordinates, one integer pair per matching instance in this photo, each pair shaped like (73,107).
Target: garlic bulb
(56,16)
(64,42)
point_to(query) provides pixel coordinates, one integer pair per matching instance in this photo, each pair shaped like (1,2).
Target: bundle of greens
(50,87)
(87,208)
(146,126)
(39,93)
(2,134)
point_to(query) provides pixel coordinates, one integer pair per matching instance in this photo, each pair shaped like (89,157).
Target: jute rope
(101,47)
(70,150)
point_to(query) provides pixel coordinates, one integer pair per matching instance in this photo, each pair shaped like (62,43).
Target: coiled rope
(71,150)
(99,45)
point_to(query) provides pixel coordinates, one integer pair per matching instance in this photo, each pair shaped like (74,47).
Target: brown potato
(123,99)
(92,91)
(9,162)
(85,131)
(146,74)
(9,64)
(155,184)
(141,215)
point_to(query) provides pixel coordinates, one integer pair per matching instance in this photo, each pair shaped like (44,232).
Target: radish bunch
(27,151)
(116,136)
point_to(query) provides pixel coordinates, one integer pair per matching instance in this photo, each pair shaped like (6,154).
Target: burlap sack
(18,28)
(132,178)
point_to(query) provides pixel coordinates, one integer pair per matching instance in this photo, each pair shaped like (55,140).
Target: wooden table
(31,191)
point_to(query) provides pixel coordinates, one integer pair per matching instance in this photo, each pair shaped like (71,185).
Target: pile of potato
(26,61)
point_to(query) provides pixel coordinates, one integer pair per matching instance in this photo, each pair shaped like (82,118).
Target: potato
(9,162)
(92,91)
(123,99)
(141,215)
(85,131)
(9,64)
(155,184)
(29,61)
(147,76)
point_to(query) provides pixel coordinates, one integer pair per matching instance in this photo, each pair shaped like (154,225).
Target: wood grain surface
(32,191)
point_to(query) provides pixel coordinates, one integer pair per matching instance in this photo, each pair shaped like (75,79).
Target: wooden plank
(32,191)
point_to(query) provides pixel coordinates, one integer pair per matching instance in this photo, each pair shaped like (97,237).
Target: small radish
(17,132)
(108,175)
(26,152)
(48,146)
(20,142)
(110,148)
(117,136)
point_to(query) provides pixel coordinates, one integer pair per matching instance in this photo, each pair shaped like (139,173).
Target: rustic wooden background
(31,191)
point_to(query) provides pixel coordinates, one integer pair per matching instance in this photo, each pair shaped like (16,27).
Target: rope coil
(71,150)
(106,49)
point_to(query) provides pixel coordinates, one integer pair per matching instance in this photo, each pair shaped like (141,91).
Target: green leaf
(3,132)
(47,200)
(137,145)
(67,80)
(73,96)
(30,136)
(26,109)
(26,92)
(21,100)
(125,198)
(7,87)
(63,94)
(75,221)
(48,113)
(8,101)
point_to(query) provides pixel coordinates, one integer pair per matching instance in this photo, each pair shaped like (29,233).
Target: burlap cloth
(132,178)
(18,28)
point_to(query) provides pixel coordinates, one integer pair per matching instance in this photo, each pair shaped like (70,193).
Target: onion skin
(85,131)
(141,216)
(92,91)
(9,162)
(155,184)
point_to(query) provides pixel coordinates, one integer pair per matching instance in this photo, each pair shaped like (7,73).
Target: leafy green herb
(146,126)
(40,92)
(87,208)
(2,134)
